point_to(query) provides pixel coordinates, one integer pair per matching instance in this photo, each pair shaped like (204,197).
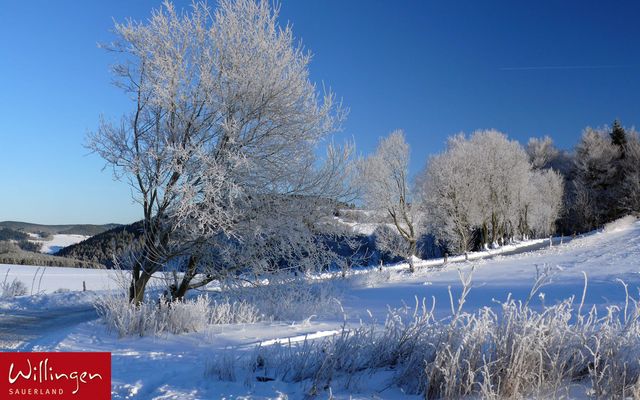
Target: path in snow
(27,329)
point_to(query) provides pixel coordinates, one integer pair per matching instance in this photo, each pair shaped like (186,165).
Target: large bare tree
(224,118)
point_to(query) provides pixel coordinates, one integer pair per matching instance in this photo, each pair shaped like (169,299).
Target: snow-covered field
(57,242)
(173,366)
(46,280)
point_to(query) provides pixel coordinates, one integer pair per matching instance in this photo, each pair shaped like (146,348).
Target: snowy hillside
(57,242)
(175,366)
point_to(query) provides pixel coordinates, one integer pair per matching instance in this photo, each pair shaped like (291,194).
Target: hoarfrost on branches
(386,189)
(223,114)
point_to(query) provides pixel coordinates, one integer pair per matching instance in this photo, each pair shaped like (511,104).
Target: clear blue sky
(431,68)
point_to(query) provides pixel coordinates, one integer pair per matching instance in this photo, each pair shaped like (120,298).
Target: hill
(72,229)
(101,248)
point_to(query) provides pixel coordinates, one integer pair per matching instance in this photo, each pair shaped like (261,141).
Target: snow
(57,242)
(173,366)
(45,280)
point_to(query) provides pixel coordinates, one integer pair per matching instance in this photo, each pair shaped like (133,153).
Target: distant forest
(103,247)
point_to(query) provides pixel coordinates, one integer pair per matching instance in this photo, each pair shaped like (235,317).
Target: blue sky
(430,68)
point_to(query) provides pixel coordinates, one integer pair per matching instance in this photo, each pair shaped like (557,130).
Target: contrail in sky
(564,67)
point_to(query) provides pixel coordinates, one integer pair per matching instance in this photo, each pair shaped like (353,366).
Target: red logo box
(58,376)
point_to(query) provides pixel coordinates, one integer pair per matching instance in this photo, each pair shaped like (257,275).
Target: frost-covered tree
(544,202)
(384,180)
(448,189)
(595,168)
(485,184)
(223,114)
(504,167)
(541,152)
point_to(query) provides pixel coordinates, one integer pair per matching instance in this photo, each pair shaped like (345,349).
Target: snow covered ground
(173,366)
(46,280)
(57,242)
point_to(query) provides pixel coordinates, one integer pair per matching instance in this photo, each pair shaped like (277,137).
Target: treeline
(487,190)
(483,191)
(602,178)
(11,253)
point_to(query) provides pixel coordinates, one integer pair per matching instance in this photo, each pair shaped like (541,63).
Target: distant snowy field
(46,280)
(57,242)
(172,366)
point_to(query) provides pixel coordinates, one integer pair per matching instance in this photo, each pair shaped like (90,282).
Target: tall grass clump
(14,288)
(509,351)
(160,316)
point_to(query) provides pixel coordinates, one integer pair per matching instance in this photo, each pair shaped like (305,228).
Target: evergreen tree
(595,183)
(619,139)
(629,201)
(618,136)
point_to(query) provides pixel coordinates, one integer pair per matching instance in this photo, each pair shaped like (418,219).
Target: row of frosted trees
(486,190)
(481,191)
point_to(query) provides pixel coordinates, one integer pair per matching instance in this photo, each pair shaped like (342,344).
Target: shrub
(154,318)
(13,288)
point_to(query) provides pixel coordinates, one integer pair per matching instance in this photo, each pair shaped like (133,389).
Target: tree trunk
(494,228)
(138,284)
(485,235)
(412,252)
(178,293)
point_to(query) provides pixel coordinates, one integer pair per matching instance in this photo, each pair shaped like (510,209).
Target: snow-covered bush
(515,351)
(156,317)
(233,312)
(13,288)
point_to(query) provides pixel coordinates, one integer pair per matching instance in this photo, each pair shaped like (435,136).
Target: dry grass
(511,351)
(154,318)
